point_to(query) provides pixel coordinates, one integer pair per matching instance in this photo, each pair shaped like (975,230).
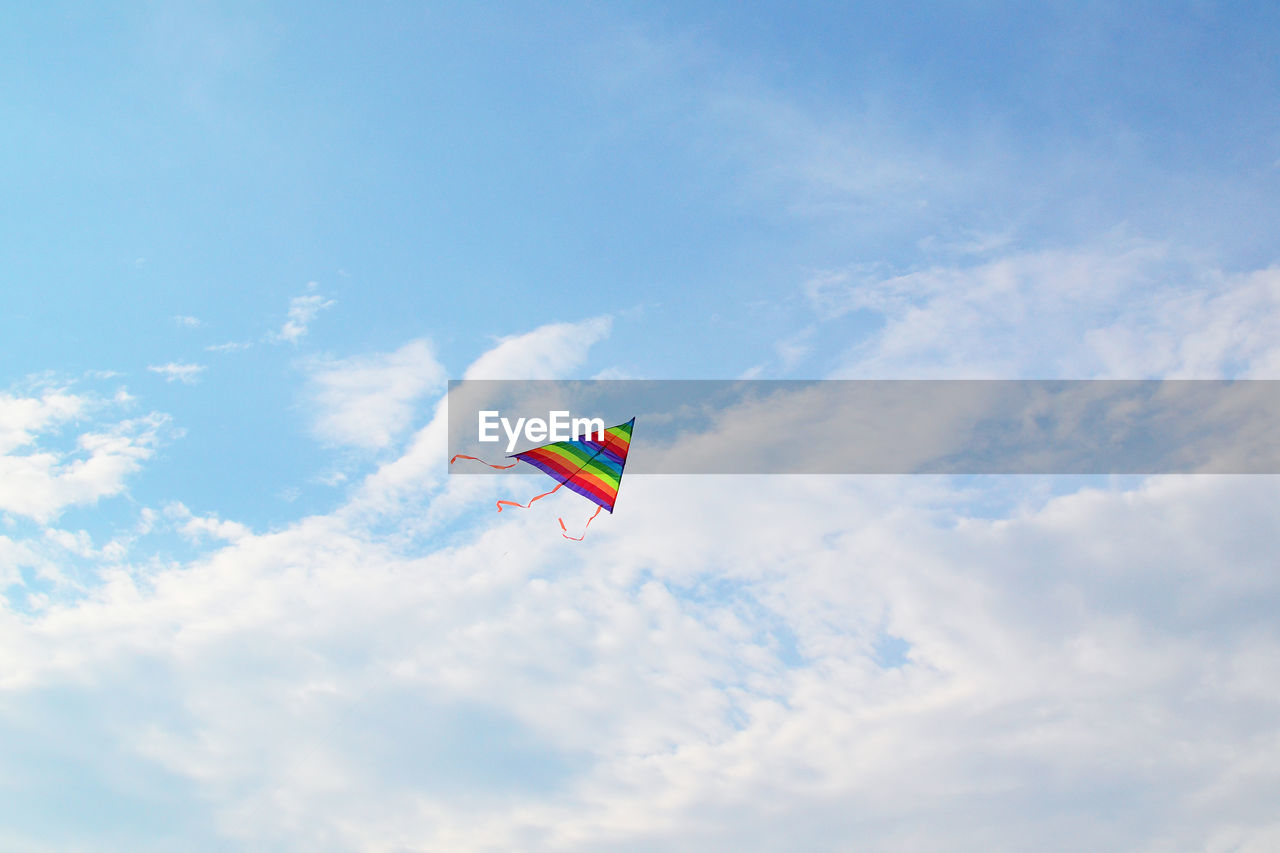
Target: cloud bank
(728,663)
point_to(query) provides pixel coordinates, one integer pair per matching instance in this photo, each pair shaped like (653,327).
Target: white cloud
(701,673)
(21,418)
(1130,310)
(187,320)
(229,346)
(14,556)
(41,483)
(706,671)
(368,401)
(196,527)
(545,353)
(175,371)
(302,310)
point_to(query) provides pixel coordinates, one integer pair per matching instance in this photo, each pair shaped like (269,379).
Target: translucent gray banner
(885,426)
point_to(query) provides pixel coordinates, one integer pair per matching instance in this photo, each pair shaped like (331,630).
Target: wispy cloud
(369,400)
(1128,309)
(717,647)
(547,352)
(331,478)
(44,479)
(176,371)
(302,310)
(188,321)
(196,527)
(229,346)
(687,661)
(544,353)
(21,418)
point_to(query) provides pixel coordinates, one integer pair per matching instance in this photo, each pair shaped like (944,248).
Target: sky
(246,245)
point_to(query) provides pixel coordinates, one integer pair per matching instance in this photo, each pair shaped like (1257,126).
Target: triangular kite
(591,466)
(588,466)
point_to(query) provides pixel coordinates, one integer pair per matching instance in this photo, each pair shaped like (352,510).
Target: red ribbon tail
(566,535)
(531,500)
(482,462)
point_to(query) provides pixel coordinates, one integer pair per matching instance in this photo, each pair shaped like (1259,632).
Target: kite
(590,467)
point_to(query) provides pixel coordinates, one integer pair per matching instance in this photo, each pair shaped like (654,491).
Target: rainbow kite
(591,466)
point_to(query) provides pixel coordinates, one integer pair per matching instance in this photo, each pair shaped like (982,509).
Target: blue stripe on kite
(586,456)
(606,453)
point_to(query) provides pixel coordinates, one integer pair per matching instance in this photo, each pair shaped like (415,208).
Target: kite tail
(482,462)
(566,535)
(502,468)
(531,500)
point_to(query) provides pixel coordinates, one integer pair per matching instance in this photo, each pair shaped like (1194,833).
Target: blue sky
(246,244)
(458,176)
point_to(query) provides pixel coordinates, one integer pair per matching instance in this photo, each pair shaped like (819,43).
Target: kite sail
(591,465)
